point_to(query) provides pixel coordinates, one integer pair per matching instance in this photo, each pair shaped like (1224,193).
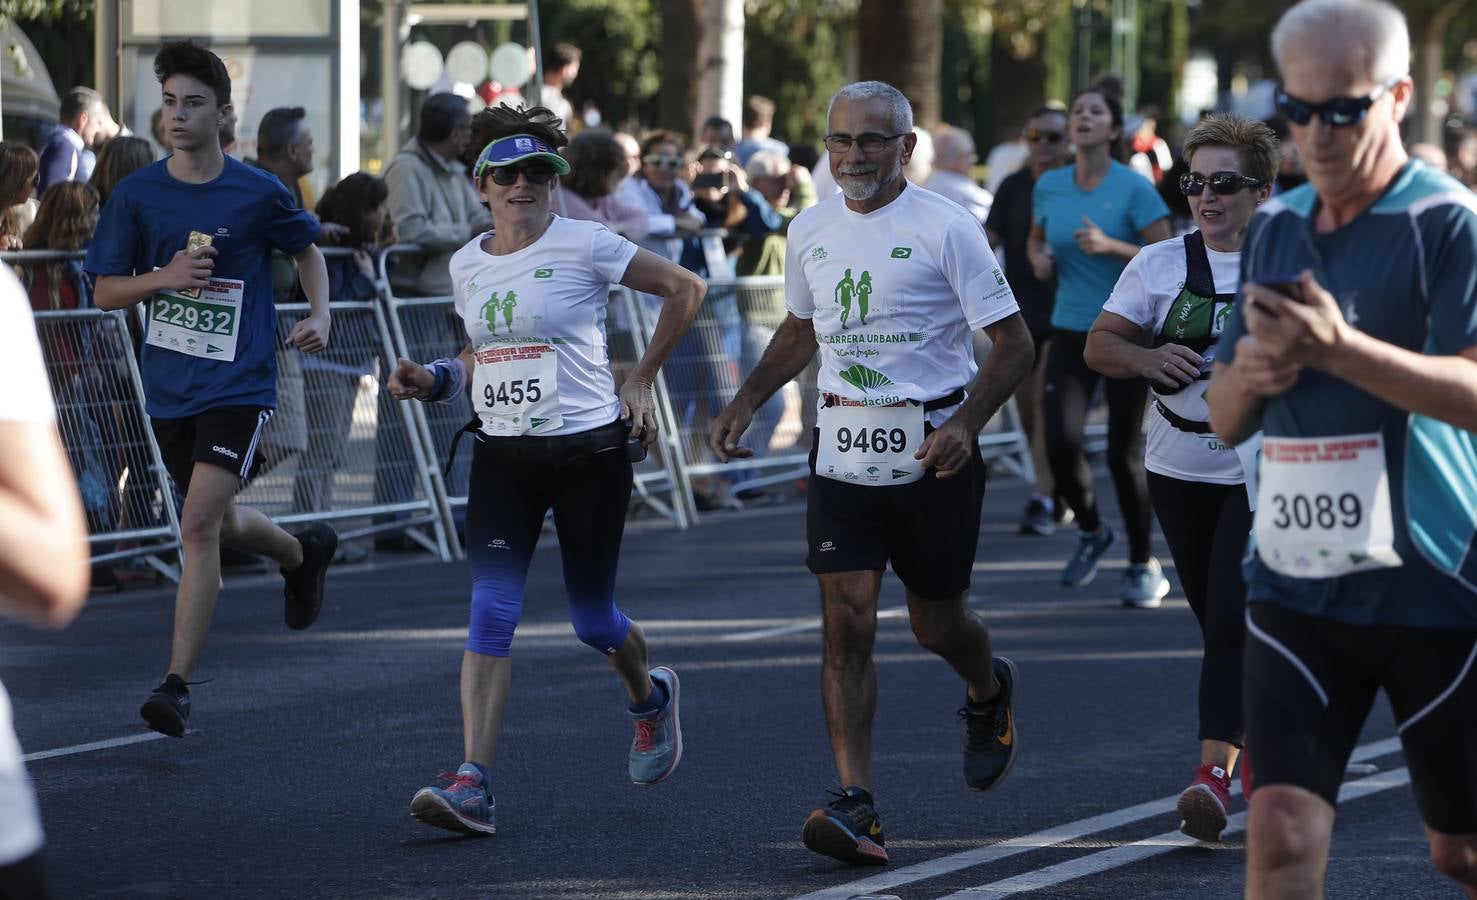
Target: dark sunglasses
(1050,137)
(655,159)
(1339,112)
(1223,183)
(534,174)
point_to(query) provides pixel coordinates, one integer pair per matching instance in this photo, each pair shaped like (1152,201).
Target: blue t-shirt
(1123,205)
(248,212)
(1404,272)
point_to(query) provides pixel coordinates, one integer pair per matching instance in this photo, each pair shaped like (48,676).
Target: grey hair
(900,111)
(951,144)
(767,164)
(1377,28)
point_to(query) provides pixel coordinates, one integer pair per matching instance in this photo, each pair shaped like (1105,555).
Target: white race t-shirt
(553,291)
(912,280)
(1146,290)
(27,398)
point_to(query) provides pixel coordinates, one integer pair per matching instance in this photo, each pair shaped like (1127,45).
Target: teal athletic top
(1123,205)
(1405,272)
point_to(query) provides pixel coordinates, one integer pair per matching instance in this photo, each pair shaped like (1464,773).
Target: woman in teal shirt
(1091,218)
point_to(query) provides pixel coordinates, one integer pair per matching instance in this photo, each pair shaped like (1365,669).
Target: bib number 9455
(515,392)
(871,440)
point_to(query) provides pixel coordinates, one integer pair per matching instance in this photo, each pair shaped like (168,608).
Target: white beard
(863,187)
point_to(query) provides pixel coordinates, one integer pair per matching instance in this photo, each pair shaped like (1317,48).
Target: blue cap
(515,148)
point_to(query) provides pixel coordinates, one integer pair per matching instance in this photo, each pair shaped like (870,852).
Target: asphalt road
(305,748)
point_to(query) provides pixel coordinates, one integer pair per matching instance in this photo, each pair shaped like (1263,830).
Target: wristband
(438,386)
(451,380)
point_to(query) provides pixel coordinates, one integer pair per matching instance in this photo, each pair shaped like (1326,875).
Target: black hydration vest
(1197,316)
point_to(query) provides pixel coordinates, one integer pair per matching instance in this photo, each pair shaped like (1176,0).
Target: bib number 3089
(1321,511)
(512,393)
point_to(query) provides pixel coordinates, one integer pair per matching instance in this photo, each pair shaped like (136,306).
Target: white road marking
(896,612)
(1102,861)
(1058,834)
(95,745)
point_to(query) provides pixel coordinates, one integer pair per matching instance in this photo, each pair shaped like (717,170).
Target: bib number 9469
(1322,511)
(515,392)
(871,440)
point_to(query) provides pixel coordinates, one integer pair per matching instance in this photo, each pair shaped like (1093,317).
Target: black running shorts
(1310,683)
(928,529)
(227,436)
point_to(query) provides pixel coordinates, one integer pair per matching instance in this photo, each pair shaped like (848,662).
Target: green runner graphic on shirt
(493,306)
(863,291)
(845,288)
(489,312)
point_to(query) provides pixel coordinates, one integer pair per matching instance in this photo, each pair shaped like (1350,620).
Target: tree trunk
(1430,40)
(721,54)
(678,102)
(902,44)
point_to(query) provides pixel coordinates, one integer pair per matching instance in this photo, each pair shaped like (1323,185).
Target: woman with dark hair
(19,167)
(551,432)
(118,159)
(596,165)
(1089,219)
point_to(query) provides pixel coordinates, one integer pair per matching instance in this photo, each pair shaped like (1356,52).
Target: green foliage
(621,42)
(793,55)
(45,10)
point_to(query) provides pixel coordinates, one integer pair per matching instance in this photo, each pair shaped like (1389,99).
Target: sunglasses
(1339,112)
(1050,137)
(1223,183)
(870,142)
(656,159)
(537,173)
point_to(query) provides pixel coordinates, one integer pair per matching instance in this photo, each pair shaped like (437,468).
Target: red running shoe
(1204,803)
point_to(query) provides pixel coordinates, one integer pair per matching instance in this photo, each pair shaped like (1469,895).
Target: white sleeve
(610,254)
(798,299)
(977,279)
(1131,298)
(27,398)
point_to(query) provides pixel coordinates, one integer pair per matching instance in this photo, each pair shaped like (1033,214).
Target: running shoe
(1144,585)
(990,743)
(168,708)
(657,747)
(1204,803)
(304,589)
(847,829)
(462,805)
(1082,567)
(1037,518)
(1062,516)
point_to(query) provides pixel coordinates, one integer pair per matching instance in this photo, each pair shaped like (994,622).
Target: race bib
(870,445)
(1323,507)
(515,388)
(205,327)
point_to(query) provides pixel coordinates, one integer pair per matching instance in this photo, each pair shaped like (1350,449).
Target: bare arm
(1043,261)
(1115,348)
(682,293)
(948,448)
(311,334)
(43,563)
(186,270)
(789,352)
(1093,240)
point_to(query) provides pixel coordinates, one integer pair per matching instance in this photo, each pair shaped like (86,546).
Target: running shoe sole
(1153,602)
(1015,738)
(675,689)
(1204,817)
(162,716)
(431,808)
(829,837)
(298,615)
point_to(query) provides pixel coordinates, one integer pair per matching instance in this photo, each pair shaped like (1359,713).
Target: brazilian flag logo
(902,252)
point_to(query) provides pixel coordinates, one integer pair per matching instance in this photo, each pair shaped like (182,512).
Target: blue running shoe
(1144,586)
(463,805)
(657,747)
(847,829)
(1082,567)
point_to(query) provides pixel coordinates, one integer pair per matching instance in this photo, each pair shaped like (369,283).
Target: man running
(897,474)
(209,354)
(1354,346)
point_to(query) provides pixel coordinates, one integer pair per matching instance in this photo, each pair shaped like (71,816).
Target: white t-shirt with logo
(1146,290)
(894,295)
(27,398)
(554,290)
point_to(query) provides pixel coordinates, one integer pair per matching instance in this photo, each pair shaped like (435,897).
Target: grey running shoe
(990,743)
(657,746)
(462,805)
(1037,519)
(1082,567)
(1144,585)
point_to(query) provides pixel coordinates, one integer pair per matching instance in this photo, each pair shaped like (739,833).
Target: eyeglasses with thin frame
(535,173)
(870,141)
(1340,112)
(1035,136)
(1192,184)
(660,160)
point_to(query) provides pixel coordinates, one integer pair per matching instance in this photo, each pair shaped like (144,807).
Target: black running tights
(1069,388)
(1205,526)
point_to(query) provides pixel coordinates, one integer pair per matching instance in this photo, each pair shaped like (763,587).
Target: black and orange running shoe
(847,829)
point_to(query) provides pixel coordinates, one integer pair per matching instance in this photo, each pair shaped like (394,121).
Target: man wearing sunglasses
(1354,346)
(896,470)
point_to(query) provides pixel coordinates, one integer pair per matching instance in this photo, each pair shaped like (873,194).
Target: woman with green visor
(553,433)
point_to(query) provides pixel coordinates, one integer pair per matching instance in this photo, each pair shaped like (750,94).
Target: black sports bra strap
(1198,277)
